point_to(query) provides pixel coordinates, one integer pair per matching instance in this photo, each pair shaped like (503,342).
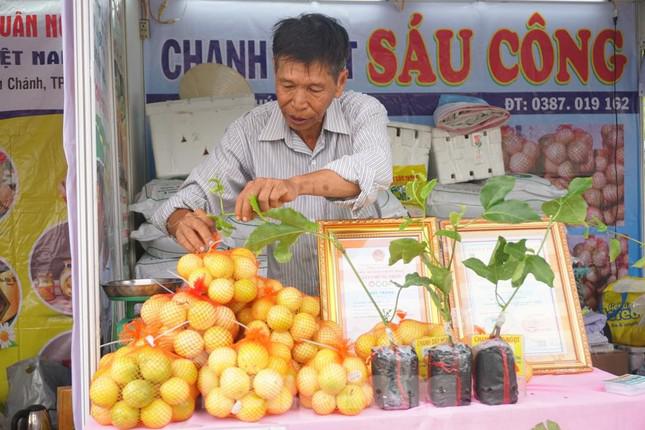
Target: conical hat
(213,80)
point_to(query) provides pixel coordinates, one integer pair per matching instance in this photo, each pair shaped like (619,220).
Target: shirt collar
(277,128)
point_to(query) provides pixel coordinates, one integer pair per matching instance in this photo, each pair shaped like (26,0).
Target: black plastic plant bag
(449,374)
(395,377)
(495,379)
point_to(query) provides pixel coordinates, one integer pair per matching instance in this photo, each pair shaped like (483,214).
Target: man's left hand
(271,193)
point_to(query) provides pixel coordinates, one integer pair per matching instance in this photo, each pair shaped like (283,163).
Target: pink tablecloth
(574,402)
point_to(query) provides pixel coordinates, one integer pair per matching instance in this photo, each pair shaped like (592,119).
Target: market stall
(568,85)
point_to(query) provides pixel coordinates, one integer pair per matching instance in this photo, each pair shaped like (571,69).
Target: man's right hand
(195,231)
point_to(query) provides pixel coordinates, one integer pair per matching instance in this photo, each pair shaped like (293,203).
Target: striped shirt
(353,143)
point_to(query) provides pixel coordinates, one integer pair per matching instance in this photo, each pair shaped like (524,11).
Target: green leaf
(614,249)
(640,263)
(218,186)
(222,225)
(598,224)
(405,249)
(516,250)
(495,190)
(569,210)
(540,269)
(578,186)
(426,189)
(282,251)
(498,256)
(292,218)
(253,200)
(586,231)
(269,233)
(480,268)
(455,218)
(441,277)
(552,425)
(511,211)
(435,297)
(415,280)
(519,274)
(452,234)
(405,224)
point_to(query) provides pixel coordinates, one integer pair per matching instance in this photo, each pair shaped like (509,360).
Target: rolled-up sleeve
(228,162)
(370,166)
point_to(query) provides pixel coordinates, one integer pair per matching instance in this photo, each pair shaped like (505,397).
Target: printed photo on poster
(8,184)
(562,152)
(51,269)
(9,294)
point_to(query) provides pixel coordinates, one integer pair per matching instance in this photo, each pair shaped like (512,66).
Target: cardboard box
(615,362)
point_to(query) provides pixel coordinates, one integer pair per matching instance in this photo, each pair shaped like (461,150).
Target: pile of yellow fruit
(143,384)
(245,343)
(403,333)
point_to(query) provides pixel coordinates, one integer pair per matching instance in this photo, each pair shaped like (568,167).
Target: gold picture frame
(550,319)
(342,298)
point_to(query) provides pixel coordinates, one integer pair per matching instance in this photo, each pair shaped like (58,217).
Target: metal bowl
(140,287)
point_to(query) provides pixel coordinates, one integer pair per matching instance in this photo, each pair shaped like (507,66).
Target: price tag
(420,346)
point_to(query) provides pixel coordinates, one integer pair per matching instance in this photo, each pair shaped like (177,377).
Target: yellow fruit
(234,383)
(219,265)
(290,297)
(139,393)
(201,315)
(282,337)
(246,290)
(174,391)
(323,403)
(410,330)
(107,359)
(307,381)
(280,350)
(327,336)
(252,357)
(151,308)
(101,415)
(290,383)
(172,314)
(278,364)
(188,343)
(222,358)
(333,378)
(351,401)
(279,318)
(323,358)
(124,416)
(207,380)
(187,264)
(203,275)
(260,308)
(364,345)
(303,352)
(384,339)
(183,411)
(245,266)
(185,369)
(236,306)
(310,305)
(304,326)
(274,284)
(242,252)
(280,403)
(305,401)
(356,370)
(184,298)
(104,391)
(224,317)
(155,366)
(217,404)
(261,326)
(435,330)
(124,370)
(245,316)
(216,337)
(221,290)
(156,415)
(252,408)
(368,392)
(268,383)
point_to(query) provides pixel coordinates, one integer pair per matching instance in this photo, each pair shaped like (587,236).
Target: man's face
(305,92)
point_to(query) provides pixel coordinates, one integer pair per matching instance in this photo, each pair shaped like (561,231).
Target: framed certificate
(550,319)
(367,242)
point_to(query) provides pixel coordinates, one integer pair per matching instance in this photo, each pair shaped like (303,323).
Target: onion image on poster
(50,269)
(562,152)
(9,303)
(8,184)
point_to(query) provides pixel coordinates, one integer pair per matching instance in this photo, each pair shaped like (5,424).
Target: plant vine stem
(396,304)
(615,233)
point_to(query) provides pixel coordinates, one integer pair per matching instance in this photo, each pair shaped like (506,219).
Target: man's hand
(271,193)
(193,230)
